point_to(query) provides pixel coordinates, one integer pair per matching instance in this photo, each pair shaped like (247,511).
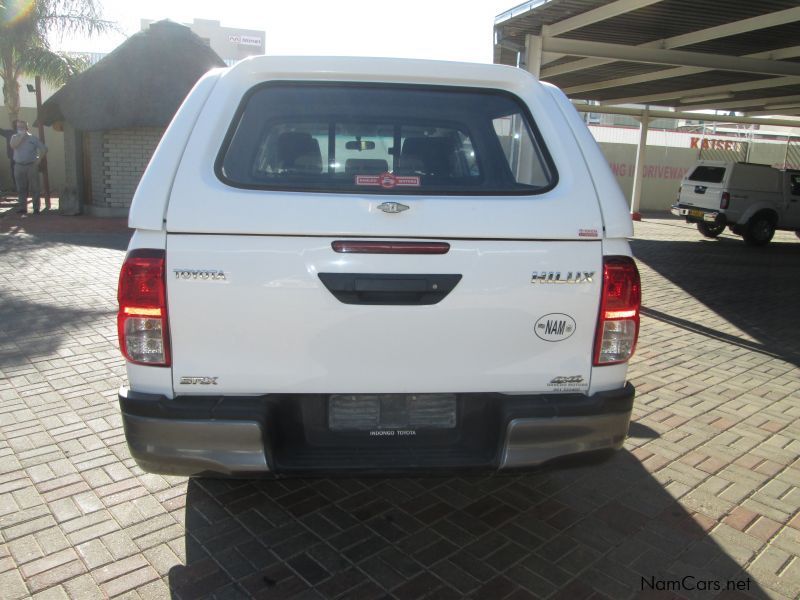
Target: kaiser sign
(712,144)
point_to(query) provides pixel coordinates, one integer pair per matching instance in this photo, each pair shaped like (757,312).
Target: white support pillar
(750,146)
(786,154)
(638,174)
(533,54)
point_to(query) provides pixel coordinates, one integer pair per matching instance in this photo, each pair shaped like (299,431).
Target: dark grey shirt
(29,150)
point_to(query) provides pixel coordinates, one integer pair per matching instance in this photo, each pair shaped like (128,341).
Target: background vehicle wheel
(710,230)
(759,229)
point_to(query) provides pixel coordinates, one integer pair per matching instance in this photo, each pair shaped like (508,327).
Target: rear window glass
(384,139)
(708,174)
(794,183)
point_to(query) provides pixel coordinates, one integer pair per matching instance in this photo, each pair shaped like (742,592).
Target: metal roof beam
(773,19)
(791,52)
(601,13)
(696,37)
(509,45)
(518,10)
(668,114)
(734,104)
(707,91)
(786,111)
(670,57)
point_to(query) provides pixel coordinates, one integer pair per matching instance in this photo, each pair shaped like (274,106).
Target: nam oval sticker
(554,327)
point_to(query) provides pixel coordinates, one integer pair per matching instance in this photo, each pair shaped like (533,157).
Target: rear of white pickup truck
(374,265)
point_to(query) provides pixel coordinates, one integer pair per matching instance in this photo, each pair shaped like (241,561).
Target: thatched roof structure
(140,84)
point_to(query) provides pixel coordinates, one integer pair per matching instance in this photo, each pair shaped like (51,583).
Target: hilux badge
(392,207)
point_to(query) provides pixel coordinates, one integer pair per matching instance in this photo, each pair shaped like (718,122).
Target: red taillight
(725,200)
(618,325)
(142,317)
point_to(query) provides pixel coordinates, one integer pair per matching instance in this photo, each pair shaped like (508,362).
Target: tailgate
(701,195)
(260,319)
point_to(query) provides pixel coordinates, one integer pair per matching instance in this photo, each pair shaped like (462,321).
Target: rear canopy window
(384,139)
(708,174)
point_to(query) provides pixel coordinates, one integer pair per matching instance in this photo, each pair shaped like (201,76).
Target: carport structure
(667,56)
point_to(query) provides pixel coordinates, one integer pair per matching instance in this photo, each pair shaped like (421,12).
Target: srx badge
(556,277)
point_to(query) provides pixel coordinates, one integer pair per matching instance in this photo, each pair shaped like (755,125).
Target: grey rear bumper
(700,214)
(531,442)
(189,447)
(238,436)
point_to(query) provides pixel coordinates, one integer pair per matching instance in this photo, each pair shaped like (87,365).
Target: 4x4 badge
(205,380)
(392,207)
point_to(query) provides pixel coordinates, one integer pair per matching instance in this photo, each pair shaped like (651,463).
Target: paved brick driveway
(707,486)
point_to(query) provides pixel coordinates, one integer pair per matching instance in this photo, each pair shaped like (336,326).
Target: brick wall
(95,148)
(71,157)
(124,156)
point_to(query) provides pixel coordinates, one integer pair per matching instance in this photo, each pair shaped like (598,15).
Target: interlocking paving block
(708,483)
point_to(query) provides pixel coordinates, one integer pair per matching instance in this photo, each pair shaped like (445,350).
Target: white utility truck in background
(752,200)
(375,265)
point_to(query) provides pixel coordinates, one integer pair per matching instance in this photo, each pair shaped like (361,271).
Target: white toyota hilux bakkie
(352,265)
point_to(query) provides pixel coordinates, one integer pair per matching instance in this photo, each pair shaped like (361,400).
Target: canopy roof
(140,84)
(736,55)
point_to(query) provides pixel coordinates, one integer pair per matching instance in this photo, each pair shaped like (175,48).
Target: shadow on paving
(51,228)
(754,289)
(110,241)
(597,529)
(30,329)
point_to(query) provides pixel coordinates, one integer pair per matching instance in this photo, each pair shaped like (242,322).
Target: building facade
(114,114)
(230,43)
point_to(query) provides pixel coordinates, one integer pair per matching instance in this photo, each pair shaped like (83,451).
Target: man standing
(28,152)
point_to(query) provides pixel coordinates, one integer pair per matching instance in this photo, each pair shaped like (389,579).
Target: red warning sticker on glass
(388,180)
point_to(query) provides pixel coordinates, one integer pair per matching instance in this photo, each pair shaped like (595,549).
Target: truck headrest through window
(434,154)
(298,152)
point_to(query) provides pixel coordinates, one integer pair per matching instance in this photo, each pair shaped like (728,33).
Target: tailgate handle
(389,289)
(389,286)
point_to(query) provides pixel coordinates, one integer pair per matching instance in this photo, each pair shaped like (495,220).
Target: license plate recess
(369,412)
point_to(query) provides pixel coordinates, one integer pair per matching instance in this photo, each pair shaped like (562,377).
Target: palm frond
(71,17)
(24,45)
(53,67)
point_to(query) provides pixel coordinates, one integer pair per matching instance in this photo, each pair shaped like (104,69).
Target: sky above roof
(437,29)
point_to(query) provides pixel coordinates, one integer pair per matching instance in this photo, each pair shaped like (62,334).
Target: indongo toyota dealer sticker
(388,180)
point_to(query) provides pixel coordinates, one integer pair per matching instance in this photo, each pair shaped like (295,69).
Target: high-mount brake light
(375,247)
(142,318)
(618,323)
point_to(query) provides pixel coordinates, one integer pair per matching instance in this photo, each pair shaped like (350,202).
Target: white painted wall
(671,153)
